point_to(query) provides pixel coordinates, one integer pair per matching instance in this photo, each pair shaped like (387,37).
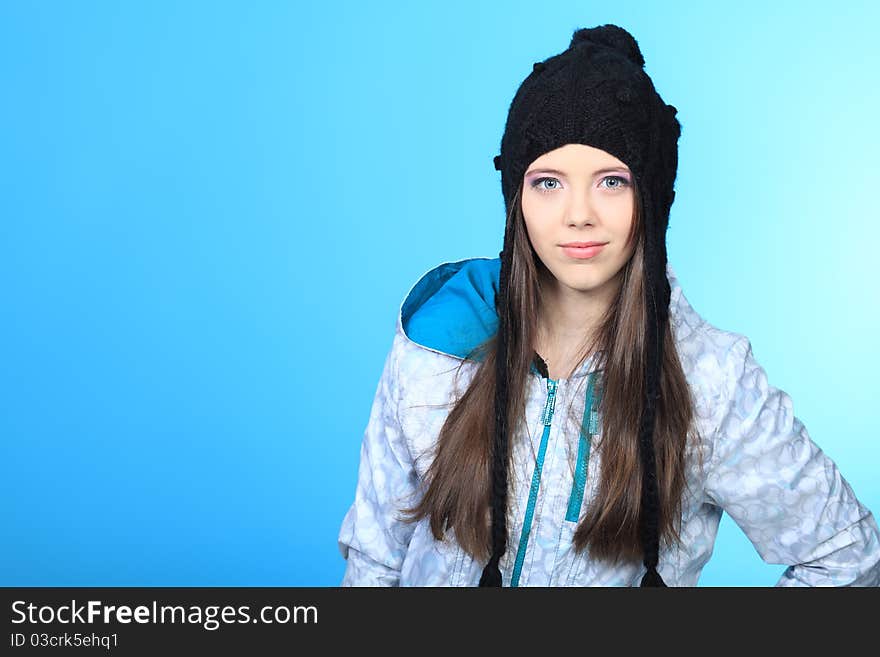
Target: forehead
(576,158)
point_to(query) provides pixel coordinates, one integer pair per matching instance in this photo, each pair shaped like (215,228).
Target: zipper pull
(547,414)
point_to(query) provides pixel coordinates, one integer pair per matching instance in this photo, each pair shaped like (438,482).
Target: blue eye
(620,180)
(536,184)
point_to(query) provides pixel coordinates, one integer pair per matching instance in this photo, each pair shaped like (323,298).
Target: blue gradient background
(210,213)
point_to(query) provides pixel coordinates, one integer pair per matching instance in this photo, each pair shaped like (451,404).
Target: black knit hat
(594,93)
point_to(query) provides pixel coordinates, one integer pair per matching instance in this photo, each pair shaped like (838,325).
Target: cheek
(620,217)
(536,223)
(535,234)
(528,221)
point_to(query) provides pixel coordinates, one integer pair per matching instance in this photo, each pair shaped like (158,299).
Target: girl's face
(578,193)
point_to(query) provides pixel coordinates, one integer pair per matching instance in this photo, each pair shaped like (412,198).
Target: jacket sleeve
(784,492)
(372,539)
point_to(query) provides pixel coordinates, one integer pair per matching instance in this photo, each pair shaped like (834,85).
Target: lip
(582,252)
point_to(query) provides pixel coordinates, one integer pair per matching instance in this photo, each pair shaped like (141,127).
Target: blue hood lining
(451,308)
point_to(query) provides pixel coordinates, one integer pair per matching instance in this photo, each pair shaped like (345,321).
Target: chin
(586,284)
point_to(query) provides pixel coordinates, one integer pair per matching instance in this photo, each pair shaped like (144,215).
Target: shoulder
(414,362)
(712,358)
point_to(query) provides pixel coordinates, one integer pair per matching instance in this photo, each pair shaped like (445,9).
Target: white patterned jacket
(760,465)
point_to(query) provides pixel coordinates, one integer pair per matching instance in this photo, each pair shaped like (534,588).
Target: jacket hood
(451,308)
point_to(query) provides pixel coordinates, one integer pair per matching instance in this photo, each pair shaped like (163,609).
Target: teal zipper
(546,419)
(591,422)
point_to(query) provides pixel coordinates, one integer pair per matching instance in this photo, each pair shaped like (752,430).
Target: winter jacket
(759,463)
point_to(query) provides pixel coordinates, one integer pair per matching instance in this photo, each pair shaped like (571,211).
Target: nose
(580,211)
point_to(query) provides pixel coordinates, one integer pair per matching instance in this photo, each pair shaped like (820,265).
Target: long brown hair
(459,479)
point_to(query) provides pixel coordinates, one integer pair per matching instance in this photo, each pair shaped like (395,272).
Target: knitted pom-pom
(611,36)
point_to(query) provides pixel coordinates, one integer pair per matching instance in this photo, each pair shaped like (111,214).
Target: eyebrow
(595,173)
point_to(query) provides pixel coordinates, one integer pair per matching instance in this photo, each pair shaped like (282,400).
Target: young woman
(560,415)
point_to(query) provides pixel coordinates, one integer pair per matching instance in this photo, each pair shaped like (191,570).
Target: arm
(372,539)
(784,492)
